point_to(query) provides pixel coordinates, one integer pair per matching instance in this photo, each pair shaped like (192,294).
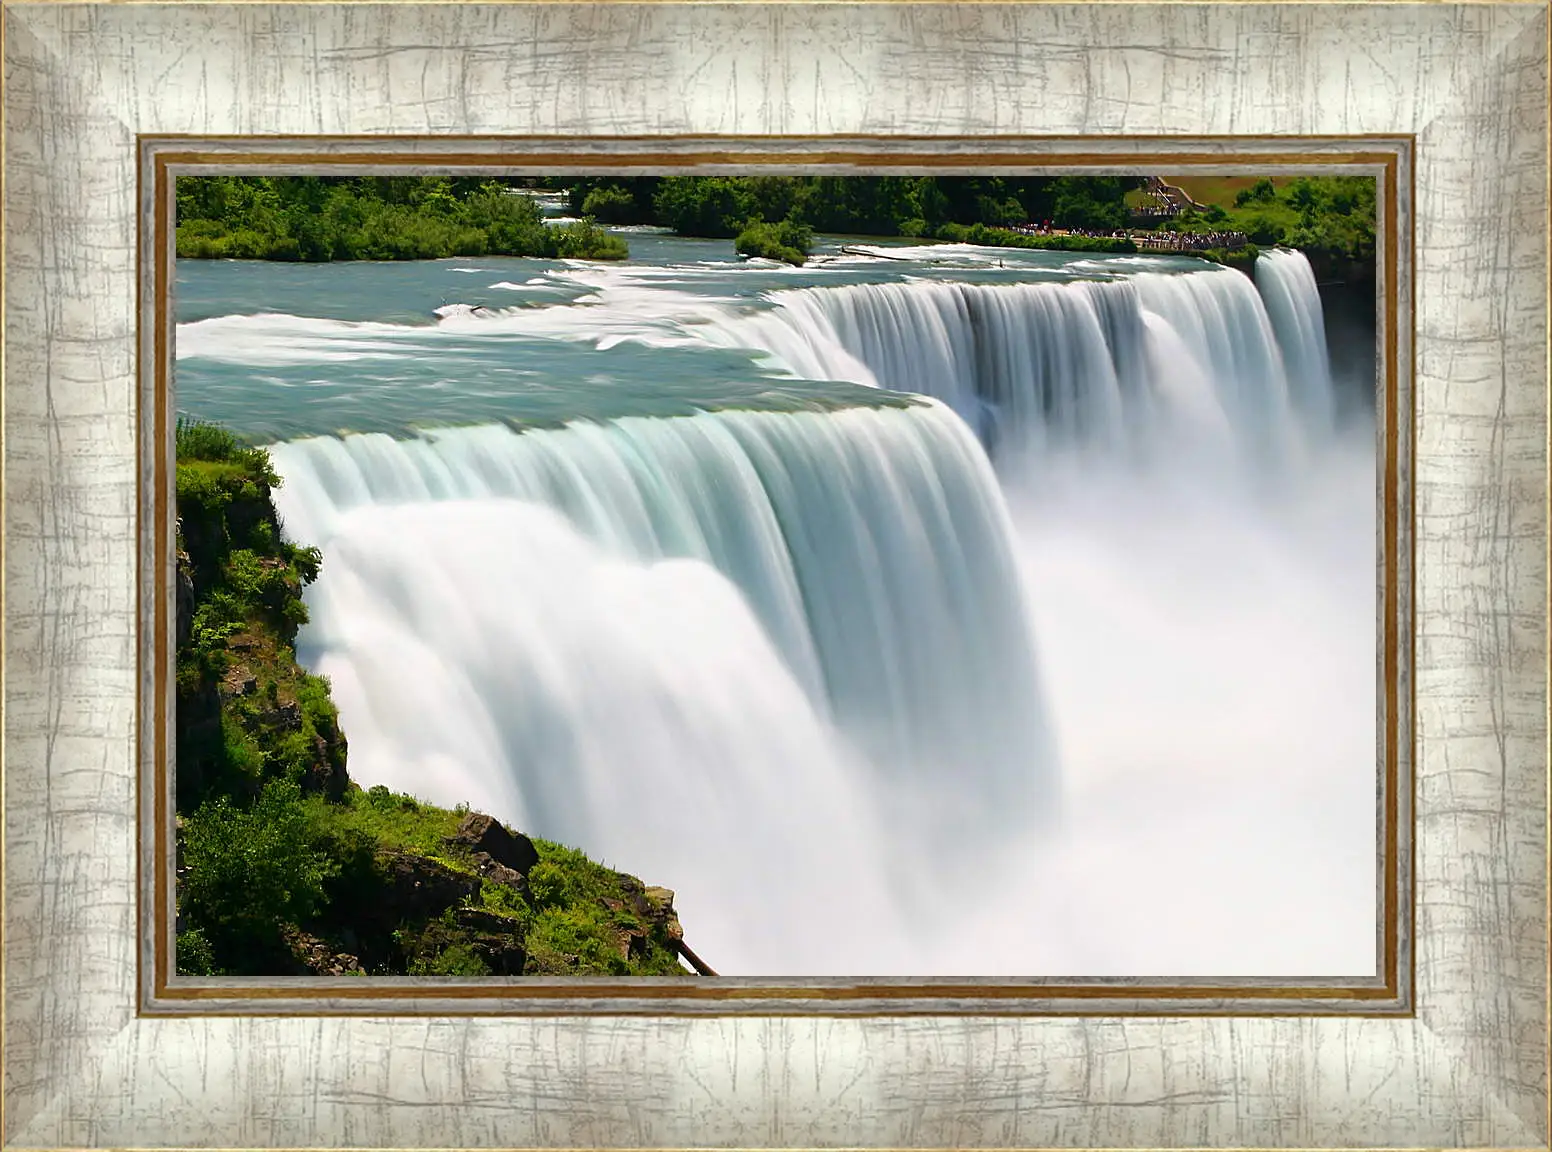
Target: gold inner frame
(163,993)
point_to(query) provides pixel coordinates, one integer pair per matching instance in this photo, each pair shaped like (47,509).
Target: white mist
(871,708)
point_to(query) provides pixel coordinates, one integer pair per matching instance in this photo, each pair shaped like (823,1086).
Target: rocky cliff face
(357,881)
(476,915)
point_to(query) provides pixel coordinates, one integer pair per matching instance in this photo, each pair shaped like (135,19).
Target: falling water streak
(1121,369)
(1287,286)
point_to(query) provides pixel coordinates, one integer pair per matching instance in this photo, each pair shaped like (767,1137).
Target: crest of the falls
(1198,362)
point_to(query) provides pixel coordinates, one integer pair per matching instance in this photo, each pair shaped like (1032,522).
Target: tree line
(747,208)
(318,218)
(427,217)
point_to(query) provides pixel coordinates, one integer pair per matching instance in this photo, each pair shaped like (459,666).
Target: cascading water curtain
(860,680)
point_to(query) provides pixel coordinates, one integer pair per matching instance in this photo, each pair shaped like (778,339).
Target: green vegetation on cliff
(285,866)
(316,218)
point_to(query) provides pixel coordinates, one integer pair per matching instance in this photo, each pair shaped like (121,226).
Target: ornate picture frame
(1446,1048)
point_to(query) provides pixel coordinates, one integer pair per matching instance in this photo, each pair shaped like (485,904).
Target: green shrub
(249,872)
(585,240)
(552,884)
(788,241)
(1261,192)
(193,954)
(611,204)
(454,960)
(581,932)
(505,901)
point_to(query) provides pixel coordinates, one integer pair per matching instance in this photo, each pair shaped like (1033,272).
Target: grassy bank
(1331,219)
(286,865)
(1007,238)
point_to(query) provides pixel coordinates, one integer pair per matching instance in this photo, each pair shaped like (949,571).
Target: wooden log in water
(870,255)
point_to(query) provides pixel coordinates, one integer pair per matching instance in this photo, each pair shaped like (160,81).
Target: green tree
(1093,202)
(713,206)
(611,204)
(1261,192)
(788,241)
(1302,194)
(249,873)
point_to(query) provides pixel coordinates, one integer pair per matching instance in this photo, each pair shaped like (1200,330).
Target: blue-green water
(279,350)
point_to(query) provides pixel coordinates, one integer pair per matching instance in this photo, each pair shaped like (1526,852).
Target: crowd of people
(1167,241)
(1189,241)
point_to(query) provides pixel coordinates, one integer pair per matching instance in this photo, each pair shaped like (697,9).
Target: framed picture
(652,575)
(795,452)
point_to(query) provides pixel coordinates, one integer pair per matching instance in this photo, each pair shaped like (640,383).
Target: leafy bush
(611,204)
(196,440)
(454,960)
(248,872)
(505,901)
(582,936)
(1261,192)
(585,240)
(788,241)
(194,955)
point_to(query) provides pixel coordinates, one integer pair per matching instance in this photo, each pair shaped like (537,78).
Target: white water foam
(783,662)
(756,569)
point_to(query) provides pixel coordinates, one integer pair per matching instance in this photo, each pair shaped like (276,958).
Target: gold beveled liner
(1387,990)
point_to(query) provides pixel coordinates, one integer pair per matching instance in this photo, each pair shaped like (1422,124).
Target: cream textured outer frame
(82,1068)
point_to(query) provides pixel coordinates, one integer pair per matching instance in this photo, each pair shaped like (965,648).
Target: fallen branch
(694,961)
(871,255)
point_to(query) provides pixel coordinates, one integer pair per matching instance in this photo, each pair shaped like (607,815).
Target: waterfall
(1157,361)
(791,626)
(789,662)
(1287,285)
